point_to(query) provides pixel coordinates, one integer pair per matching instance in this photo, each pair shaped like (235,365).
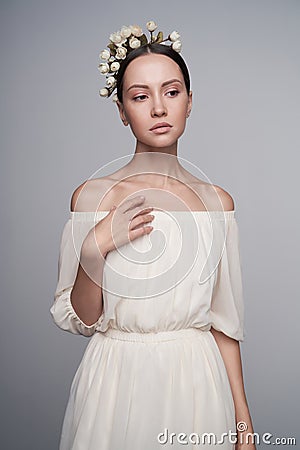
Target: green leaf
(112,48)
(143,39)
(159,37)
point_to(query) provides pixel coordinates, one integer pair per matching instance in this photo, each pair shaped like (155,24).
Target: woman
(149,267)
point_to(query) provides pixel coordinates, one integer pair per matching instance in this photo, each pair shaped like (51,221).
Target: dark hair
(159,49)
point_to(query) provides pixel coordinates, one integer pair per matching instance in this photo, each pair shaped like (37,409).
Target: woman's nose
(158,108)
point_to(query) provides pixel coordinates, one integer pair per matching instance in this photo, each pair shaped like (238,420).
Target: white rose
(177,46)
(151,26)
(105,54)
(125,32)
(174,36)
(119,44)
(134,42)
(104,92)
(115,66)
(121,53)
(110,82)
(103,68)
(111,59)
(115,98)
(116,38)
(136,30)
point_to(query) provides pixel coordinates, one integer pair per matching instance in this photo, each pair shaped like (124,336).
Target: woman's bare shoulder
(225,198)
(216,197)
(93,195)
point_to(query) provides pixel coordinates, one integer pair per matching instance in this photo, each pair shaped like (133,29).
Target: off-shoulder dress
(152,375)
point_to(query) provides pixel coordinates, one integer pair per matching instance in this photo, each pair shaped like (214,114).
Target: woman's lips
(161,128)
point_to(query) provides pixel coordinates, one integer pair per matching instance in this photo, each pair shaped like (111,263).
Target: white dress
(152,367)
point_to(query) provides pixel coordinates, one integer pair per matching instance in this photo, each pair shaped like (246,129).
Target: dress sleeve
(227,305)
(62,310)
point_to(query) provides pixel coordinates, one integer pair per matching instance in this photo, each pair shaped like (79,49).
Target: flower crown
(121,43)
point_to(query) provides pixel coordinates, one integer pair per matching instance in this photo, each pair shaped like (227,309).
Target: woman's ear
(190,103)
(122,113)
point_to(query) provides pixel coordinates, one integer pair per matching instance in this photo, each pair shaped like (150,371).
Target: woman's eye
(173,93)
(139,97)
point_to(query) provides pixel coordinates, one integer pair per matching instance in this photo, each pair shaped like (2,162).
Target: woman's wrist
(92,250)
(243,420)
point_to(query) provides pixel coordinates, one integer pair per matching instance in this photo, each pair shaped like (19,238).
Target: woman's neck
(160,161)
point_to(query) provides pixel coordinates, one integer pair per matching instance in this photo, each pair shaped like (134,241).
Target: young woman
(149,267)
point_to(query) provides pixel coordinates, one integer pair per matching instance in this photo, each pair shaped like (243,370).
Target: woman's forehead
(152,68)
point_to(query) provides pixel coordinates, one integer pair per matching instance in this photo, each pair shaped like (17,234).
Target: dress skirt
(149,391)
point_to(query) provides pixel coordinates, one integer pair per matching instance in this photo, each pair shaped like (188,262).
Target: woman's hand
(121,225)
(245,446)
(245,434)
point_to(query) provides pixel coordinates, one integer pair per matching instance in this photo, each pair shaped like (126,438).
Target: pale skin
(153,92)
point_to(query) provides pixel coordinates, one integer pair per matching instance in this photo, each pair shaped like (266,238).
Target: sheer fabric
(152,362)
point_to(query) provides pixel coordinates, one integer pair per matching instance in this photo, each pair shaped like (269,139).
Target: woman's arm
(86,295)
(230,351)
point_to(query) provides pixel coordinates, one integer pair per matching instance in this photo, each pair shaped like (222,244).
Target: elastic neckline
(90,215)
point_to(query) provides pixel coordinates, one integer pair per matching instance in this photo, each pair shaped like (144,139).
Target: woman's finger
(140,220)
(132,203)
(134,234)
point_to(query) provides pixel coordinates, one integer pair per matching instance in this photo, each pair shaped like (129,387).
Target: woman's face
(154,93)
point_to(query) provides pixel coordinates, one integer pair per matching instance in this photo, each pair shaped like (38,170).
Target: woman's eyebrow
(166,83)
(174,80)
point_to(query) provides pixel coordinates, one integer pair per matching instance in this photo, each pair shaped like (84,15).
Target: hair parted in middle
(156,49)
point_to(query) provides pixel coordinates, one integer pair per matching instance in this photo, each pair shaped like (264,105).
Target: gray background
(56,132)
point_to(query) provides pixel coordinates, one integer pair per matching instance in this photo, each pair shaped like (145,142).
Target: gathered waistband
(152,336)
